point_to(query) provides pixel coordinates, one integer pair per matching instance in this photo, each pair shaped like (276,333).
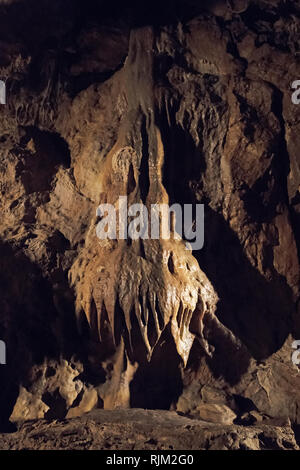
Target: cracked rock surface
(138,429)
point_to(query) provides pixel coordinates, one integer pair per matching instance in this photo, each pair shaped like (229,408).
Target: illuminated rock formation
(185,102)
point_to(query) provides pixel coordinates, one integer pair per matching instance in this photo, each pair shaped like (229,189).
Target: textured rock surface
(146,430)
(189,106)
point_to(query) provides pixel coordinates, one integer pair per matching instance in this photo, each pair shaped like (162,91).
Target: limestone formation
(182,102)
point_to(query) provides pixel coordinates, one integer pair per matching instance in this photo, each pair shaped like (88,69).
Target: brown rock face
(182,104)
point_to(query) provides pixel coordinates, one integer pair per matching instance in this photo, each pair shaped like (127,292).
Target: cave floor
(138,429)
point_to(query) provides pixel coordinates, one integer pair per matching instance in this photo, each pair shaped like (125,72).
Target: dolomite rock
(52,389)
(146,430)
(28,406)
(215,413)
(193,108)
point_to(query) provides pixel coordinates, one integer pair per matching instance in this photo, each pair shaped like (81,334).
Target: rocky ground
(138,429)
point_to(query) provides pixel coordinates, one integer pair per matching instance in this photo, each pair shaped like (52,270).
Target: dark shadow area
(84,80)
(258,312)
(134,12)
(229,360)
(57,405)
(295,219)
(40,154)
(26,332)
(158,384)
(261,18)
(144,182)
(179,170)
(50,31)
(36,323)
(296,429)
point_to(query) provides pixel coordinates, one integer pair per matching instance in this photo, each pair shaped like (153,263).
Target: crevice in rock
(158,384)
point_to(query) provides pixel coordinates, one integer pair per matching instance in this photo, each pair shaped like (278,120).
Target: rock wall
(185,103)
